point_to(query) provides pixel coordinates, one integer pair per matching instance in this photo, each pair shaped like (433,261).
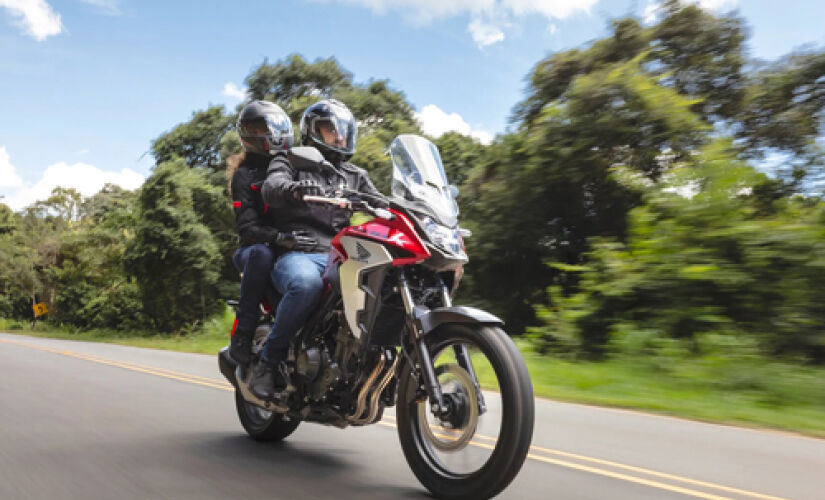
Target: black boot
(240,347)
(266,379)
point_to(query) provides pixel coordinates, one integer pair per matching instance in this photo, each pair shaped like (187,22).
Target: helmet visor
(337,132)
(271,125)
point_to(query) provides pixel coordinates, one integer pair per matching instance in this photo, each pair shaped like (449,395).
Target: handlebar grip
(339,202)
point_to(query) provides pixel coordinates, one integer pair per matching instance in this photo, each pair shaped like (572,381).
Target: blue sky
(85,85)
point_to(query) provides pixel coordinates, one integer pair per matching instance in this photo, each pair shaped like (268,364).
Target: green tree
(92,287)
(544,191)
(196,141)
(173,255)
(702,261)
(643,99)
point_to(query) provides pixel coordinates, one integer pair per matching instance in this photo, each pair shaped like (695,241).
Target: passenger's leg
(255,262)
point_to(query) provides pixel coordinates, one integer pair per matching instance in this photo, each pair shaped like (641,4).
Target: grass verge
(751,392)
(207,338)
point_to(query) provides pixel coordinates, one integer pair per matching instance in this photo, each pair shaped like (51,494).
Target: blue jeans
(297,275)
(255,262)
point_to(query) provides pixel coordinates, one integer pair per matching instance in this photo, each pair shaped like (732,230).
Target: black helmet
(264,128)
(330,126)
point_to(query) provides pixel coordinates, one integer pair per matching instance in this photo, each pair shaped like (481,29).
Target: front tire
(516,422)
(263,425)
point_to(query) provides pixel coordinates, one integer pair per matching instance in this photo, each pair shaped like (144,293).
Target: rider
(264,130)
(330,127)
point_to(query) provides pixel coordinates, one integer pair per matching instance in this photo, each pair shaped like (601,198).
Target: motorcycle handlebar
(347,204)
(339,202)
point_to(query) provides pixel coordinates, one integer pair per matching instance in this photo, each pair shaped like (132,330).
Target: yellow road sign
(40,309)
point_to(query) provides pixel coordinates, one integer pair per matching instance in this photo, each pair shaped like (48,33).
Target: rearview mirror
(305,158)
(453,190)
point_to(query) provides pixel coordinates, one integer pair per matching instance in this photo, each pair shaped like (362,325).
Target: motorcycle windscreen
(418,175)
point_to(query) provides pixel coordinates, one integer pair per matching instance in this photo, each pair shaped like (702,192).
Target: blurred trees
(704,265)
(642,100)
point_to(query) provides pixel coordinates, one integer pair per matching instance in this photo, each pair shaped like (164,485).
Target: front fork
(432,387)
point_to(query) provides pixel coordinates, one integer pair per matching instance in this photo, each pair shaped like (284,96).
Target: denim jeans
(255,262)
(297,275)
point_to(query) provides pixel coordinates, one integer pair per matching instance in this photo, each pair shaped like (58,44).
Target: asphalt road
(83,420)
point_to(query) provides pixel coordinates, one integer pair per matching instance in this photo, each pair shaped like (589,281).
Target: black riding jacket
(253,218)
(321,221)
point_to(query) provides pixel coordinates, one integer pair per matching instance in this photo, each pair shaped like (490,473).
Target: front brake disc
(447,438)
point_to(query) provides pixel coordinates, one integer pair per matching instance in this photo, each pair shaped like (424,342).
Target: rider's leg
(297,276)
(255,262)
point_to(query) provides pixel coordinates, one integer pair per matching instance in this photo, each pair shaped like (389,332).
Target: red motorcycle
(387,334)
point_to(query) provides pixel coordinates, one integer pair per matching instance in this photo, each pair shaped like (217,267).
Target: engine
(335,388)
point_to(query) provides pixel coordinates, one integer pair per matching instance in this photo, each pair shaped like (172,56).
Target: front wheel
(477,449)
(263,425)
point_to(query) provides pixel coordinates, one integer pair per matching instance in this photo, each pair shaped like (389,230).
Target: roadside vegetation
(716,389)
(651,227)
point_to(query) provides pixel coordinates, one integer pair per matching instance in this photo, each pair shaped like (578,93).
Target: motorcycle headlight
(443,237)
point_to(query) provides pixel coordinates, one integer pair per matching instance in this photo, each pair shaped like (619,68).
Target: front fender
(431,319)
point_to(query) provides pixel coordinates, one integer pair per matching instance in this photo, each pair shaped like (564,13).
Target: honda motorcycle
(386,333)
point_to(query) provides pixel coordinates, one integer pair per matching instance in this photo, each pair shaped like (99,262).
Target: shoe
(240,347)
(266,379)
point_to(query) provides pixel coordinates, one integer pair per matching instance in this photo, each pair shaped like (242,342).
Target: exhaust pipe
(375,397)
(362,394)
(227,366)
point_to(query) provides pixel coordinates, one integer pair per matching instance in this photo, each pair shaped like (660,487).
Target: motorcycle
(386,333)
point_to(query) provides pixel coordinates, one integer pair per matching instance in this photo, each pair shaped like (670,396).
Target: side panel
(432,319)
(362,255)
(399,233)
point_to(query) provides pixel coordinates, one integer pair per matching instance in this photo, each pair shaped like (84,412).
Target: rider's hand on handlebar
(373,200)
(303,188)
(299,241)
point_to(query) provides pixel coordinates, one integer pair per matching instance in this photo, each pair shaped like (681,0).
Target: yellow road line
(214,383)
(218,384)
(639,470)
(602,472)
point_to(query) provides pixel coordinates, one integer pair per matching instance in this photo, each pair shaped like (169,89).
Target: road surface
(81,420)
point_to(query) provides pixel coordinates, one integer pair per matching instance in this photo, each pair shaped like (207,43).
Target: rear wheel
(263,425)
(477,449)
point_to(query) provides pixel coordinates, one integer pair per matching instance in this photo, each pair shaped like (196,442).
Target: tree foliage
(173,255)
(643,99)
(702,260)
(197,141)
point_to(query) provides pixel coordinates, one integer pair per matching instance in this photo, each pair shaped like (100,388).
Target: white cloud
(654,7)
(488,18)
(484,34)
(435,122)
(652,10)
(8,174)
(36,17)
(86,179)
(107,7)
(232,90)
